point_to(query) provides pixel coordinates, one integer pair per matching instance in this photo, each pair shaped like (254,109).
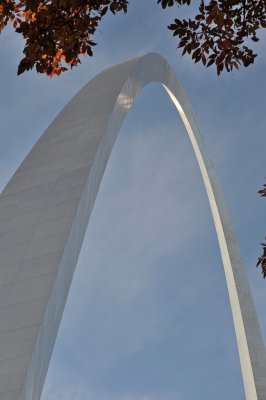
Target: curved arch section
(57,185)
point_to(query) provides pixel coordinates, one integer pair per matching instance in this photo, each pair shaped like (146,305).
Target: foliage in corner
(222,32)
(262,258)
(57,32)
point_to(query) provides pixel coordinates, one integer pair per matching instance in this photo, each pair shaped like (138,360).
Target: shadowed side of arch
(55,189)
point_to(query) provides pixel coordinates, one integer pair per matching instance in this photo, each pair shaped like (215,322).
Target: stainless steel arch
(44,213)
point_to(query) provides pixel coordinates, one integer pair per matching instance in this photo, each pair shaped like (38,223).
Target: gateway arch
(44,213)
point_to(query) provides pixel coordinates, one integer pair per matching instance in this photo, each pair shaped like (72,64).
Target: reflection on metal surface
(124,101)
(56,191)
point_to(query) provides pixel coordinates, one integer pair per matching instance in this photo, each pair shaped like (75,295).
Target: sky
(148,315)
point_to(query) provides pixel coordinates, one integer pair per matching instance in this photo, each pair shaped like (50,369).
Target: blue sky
(148,315)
